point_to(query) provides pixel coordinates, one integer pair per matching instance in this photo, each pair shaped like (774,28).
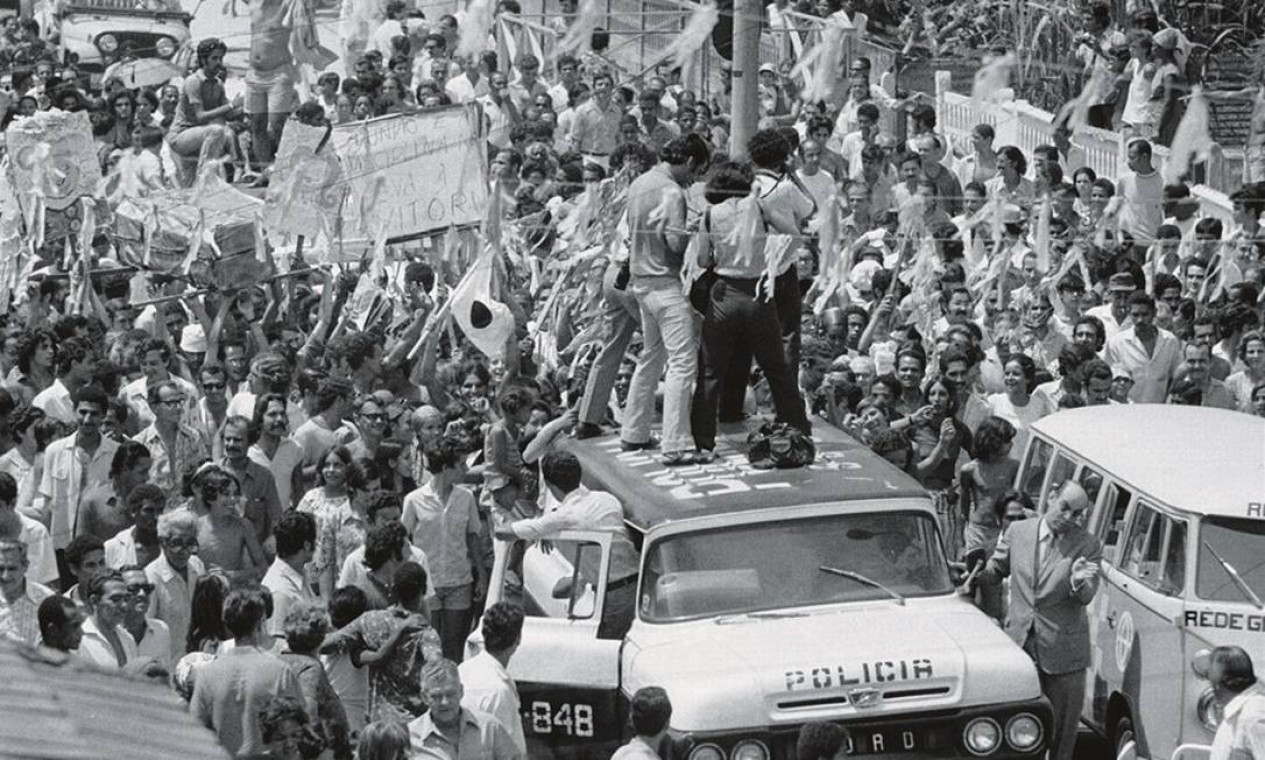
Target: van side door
(1143,617)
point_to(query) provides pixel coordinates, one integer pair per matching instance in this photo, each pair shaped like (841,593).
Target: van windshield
(777,565)
(1241,543)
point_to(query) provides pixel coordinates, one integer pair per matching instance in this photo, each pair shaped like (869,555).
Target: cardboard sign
(69,171)
(307,186)
(413,174)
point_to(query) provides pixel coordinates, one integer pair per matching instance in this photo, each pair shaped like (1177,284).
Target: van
(1178,496)
(766,599)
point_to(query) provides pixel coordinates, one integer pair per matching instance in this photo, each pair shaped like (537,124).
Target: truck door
(568,678)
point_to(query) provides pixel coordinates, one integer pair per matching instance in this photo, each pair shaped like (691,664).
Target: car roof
(652,494)
(1207,461)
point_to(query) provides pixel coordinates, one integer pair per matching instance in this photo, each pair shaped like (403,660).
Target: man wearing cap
(1115,315)
(1150,353)
(1241,732)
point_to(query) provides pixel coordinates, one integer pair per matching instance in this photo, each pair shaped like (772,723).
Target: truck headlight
(749,750)
(107,43)
(982,736)
(1023,732)
(1208,710)
(165,47)
(707,752)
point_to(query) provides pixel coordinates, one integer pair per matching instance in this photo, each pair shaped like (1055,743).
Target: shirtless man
(270,80)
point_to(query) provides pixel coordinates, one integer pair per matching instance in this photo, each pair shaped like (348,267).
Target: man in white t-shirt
(819,182)
(1140,195)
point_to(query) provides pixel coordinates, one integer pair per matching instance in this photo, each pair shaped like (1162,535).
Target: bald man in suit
(1053,568)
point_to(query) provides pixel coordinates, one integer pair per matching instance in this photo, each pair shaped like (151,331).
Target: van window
(1238,543)
(1115,506)
(1061,472)
(1157,550)
(1175,559)
(1034,468)
(1091,480)
(1142,557)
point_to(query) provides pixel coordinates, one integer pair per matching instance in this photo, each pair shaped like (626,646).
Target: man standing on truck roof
(582,509)
(1053,568)
(1241,733)
(273,73)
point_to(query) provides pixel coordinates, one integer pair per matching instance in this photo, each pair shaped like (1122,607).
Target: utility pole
(748,19)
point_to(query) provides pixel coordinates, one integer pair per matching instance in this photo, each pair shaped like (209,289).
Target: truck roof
(845,470)
(1207,461)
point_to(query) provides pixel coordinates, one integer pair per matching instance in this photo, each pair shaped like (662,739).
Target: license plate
(874,741)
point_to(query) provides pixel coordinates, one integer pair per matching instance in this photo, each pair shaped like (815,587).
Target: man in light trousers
(656,219)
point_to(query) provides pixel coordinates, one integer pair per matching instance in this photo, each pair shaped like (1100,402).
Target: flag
(579,37)
(992,80)
(486,322)
(1192,143)
(472,37)
(695,33)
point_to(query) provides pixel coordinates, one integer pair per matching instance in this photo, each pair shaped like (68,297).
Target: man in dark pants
(785,207)
(735,308)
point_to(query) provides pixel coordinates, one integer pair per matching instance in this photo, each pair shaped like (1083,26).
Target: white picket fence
(1019,123)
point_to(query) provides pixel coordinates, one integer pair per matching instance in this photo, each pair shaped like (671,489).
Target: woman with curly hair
(305,627)
(37,357)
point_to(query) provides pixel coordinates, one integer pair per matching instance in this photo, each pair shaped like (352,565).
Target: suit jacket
(1043,605)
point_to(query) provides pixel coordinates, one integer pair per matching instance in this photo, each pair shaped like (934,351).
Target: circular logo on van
(1124,640)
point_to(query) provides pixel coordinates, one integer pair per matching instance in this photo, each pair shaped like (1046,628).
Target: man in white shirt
(1151,354)
(582,509)
(42,562)
(1140,194)
(74,465)
(296,544)
(650,713)
(819,182)
(74,367)
(488,685)
(1241,733)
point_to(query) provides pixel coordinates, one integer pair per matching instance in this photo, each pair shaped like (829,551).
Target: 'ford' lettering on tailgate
(882,671)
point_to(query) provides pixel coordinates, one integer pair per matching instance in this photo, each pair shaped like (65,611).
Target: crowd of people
(289,508)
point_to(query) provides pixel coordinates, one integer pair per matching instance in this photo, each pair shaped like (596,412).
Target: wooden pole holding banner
(745,116)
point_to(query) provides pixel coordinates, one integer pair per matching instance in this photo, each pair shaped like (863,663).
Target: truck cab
(767,599)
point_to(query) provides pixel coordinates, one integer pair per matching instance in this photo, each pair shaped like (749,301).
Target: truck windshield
(777,565)
(1241,543)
